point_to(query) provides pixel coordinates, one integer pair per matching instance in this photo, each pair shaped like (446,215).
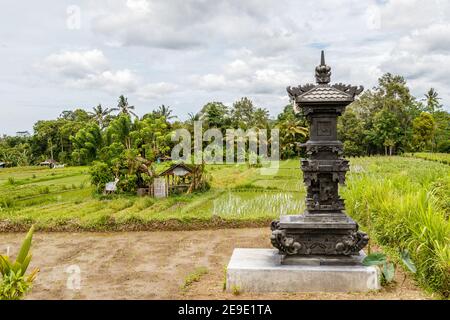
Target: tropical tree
(151,137)
(101,116)
(215,115)
(351,133)
(87,142)
(423,131)
(164,111)
(293,130)
(432,101)
(242,113)
(261,118)
(124,107)
(120,130)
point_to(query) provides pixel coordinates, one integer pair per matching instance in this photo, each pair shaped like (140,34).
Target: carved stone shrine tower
(324,228)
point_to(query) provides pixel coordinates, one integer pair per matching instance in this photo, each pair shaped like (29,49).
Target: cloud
(185,53)
(191,24)
(247,75)
(155,90)
(76,63)
(421,56)
(433,39)
(90,69)
(407,15)
(111,81)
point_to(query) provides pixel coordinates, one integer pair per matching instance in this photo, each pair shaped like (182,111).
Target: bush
(100,175)
(444,147)
(14,284)
(352,149)
(127,183)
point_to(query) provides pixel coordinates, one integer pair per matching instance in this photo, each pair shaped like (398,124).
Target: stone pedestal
(263,270)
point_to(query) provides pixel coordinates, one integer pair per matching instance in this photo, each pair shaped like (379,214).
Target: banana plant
(14,284)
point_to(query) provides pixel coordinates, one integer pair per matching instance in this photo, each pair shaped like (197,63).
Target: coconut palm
(432,100)
(100,115)
(165,112)
(193,117)
(124,108)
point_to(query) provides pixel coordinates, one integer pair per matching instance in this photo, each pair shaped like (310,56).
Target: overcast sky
(59,55)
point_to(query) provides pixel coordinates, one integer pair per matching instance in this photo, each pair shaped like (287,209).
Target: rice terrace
(63,200)
(202,161)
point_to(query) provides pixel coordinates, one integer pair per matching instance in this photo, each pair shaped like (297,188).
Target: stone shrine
(320,250)
(324,229)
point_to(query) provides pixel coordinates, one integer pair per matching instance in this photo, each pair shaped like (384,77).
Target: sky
(61,55)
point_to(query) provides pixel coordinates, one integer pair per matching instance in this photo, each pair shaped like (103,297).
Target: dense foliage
(384,120)
(389,120)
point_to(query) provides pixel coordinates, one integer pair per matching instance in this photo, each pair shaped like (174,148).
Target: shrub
(14,283)
(100,175)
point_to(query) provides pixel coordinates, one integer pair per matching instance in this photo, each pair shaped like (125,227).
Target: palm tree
(100,115)
(124,108)
(432,100)
(121,129)
(290,129)
(433,105)
(193,117)
(165,112)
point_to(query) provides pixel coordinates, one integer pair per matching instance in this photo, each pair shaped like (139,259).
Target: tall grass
(439,157)
(404,209)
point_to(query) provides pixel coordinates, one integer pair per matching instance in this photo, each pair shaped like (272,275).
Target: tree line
(386,119)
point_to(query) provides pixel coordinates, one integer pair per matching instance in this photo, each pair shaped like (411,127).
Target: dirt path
(153,265)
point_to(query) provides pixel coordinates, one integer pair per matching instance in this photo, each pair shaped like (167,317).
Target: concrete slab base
(261,270)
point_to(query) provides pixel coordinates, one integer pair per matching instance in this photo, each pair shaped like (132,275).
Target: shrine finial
(323,72)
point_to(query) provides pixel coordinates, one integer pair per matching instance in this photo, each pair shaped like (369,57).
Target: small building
(2,165)
(178,177)
(49,163)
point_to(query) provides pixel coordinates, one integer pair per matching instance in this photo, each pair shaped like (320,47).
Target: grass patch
(195,276)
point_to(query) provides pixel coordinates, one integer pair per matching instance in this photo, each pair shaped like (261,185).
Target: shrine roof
(324,93)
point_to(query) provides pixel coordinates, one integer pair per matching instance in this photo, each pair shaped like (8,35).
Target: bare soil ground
(154,265)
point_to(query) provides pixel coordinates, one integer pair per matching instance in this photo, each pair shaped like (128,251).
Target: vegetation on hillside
(384,120)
